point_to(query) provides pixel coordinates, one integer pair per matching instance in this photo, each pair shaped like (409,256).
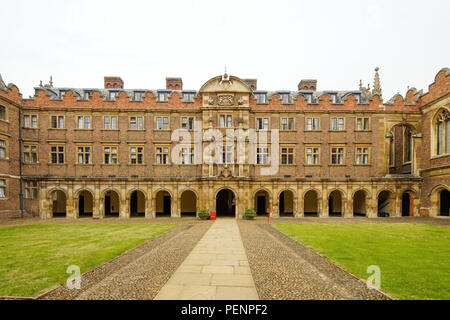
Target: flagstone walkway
(216,269)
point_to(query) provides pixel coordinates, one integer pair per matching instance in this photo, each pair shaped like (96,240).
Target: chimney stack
(174,83)
(113,83)
(308,84)
(252,83)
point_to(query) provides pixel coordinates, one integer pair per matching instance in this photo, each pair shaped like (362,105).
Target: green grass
(414,258)
(36,257)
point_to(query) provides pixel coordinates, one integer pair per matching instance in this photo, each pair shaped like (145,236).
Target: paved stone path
(216,269)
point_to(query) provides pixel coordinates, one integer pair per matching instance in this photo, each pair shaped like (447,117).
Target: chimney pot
(308,84)
(113,83)
(174,83)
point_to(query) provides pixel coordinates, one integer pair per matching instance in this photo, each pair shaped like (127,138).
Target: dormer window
(261,98)
(138,95)
(188,96)
(333,97)
(308,97)
(285,98)
(62,93)
(357,97)
(113,95)
(86,95)
(163,96)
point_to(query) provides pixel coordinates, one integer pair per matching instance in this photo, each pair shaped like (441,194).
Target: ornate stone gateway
(226,203)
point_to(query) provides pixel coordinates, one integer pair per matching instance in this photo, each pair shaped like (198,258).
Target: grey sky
(277,42)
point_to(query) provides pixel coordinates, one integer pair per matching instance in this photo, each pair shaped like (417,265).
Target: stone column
(417,144)
(371,207)
(387,151)
(148,202)
(300,205)
(124,203)
(324,211)
(96,212)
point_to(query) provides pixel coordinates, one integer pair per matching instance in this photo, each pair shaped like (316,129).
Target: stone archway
(311,204)
(360,203)
(286,203)
(163,204)
(85,204)
(261,202)
(111,204)
(59,204)
(336,204)
(444,203)
(385,203)
(188,203)
(137,204)
(226,203)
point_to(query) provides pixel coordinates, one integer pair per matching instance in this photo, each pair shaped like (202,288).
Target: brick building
(110,152)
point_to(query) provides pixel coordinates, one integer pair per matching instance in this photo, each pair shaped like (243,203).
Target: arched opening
(226,203)
(112,204)
(359,203)
(188,203)
(85,204)
(58,204)
(261,202)
(137,204)
(311,206)
(444,203)
(406,204)
(401,153)
(163,203)
(384,204)
(335,205)
(286,203)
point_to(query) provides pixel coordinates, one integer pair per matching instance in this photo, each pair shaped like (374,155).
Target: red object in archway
(212,215)
(411,204)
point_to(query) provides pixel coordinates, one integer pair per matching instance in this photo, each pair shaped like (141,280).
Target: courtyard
(164,258)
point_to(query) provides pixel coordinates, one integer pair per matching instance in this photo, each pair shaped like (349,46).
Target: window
(163,96)
(57,122)
(84,154)
(337,156)
(188,96)
(30,154)
(312,155)
(84,122)
(2,113)
(333,97)
(162,123)
(86,95)
(407,138)
(392,151)
(2,188)
(136,155)
(136,123)
(226,121)
(287,155)
(262,123)
(162,155)
(357,97)
(308,97)
(57,154)
(30,121)
(337,124)
(187,155)
(362,124)
(3,149)
(62,93)
(285,98)
(261,98)
(31,190)
(442,131)
(312,124)
(187,123)
(113,95)
(262,155)
(362,155)
(227,154)
(110,122)
(287,124)
(138,95)
(110,155)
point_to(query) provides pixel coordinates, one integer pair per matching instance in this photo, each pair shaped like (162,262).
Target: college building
(119,152)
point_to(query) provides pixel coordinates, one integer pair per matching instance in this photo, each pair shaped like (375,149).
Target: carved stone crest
(225,173)
(225,100)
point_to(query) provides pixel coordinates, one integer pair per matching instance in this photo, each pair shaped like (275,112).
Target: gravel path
(283,269)
(139,273)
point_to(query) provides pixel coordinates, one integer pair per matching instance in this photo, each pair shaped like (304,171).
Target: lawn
(414,259)
(36,257)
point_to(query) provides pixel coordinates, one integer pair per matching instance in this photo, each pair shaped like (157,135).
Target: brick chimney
(252,83)
(113,83)
(308,84)
(174,83)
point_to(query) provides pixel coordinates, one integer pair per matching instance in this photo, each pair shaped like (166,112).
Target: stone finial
(2,84)
(376,85)
(51,82)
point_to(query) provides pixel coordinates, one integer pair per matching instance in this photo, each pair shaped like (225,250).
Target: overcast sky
(277,42)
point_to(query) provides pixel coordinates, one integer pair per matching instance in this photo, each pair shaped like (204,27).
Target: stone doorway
(226,204)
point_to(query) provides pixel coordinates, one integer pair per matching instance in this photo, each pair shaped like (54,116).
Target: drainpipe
(20,163)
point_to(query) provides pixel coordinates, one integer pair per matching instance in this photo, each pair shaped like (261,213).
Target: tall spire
(376,85)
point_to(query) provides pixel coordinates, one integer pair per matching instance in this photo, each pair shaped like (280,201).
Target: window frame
(31,189)
(83,153)
(258,156)
(188,126)
(6,147)
(110,117)
(363,122)
(312,124)
(312,154)
(339,126)
(288,155)
(58,117)
(287,124)
(362,154)
(83,117)
(137,154)
(228,119)
(31,115)
(30,145)
(162,154)
(162,123)
(263,123)
(4,186)
(110,153)
(137,117)
(58,153)
(5,113)
(337,153)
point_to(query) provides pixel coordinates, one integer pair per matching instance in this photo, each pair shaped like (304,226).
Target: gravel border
(138,273)
(284,269)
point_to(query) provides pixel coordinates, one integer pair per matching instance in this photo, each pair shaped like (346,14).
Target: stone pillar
(124,203)
(44,203)
(417,146)
(371,207)
(148,202)
(71,204)
(387,151)
(175,200)
(300,205)
(96,213)
(323,212)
